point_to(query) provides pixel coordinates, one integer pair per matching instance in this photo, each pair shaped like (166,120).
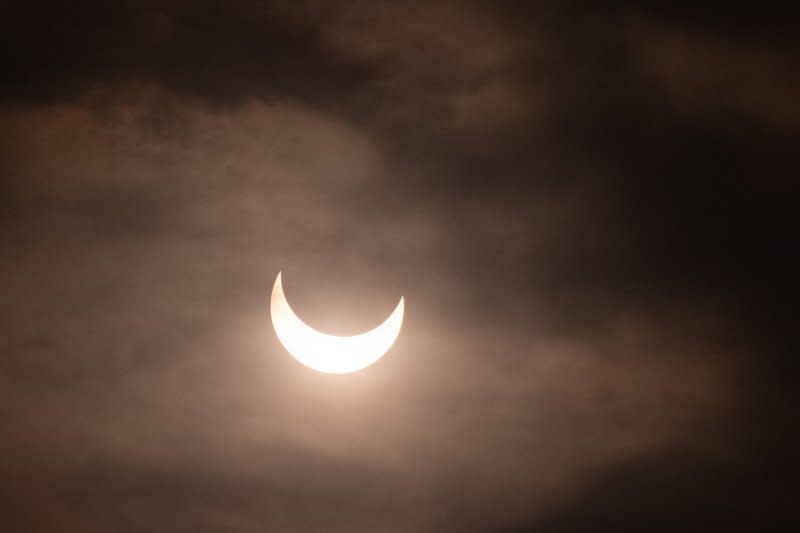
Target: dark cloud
(650,493)
(588,211)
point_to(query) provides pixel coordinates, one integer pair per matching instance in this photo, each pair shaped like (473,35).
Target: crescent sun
(331,353)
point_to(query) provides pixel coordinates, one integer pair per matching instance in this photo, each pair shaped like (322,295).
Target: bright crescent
(331,353)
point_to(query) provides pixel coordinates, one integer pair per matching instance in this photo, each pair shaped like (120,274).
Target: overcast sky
(587,210)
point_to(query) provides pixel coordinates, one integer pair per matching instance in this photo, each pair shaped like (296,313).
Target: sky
(587,209)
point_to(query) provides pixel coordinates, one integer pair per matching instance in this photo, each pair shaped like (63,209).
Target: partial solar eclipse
(331,353)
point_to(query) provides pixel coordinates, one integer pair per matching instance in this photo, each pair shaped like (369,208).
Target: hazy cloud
(586,232)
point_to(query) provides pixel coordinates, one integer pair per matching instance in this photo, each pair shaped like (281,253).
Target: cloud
(707,74)
(587,251)
(140,334)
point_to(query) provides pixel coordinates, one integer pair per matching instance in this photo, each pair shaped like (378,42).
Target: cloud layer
(587,212)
